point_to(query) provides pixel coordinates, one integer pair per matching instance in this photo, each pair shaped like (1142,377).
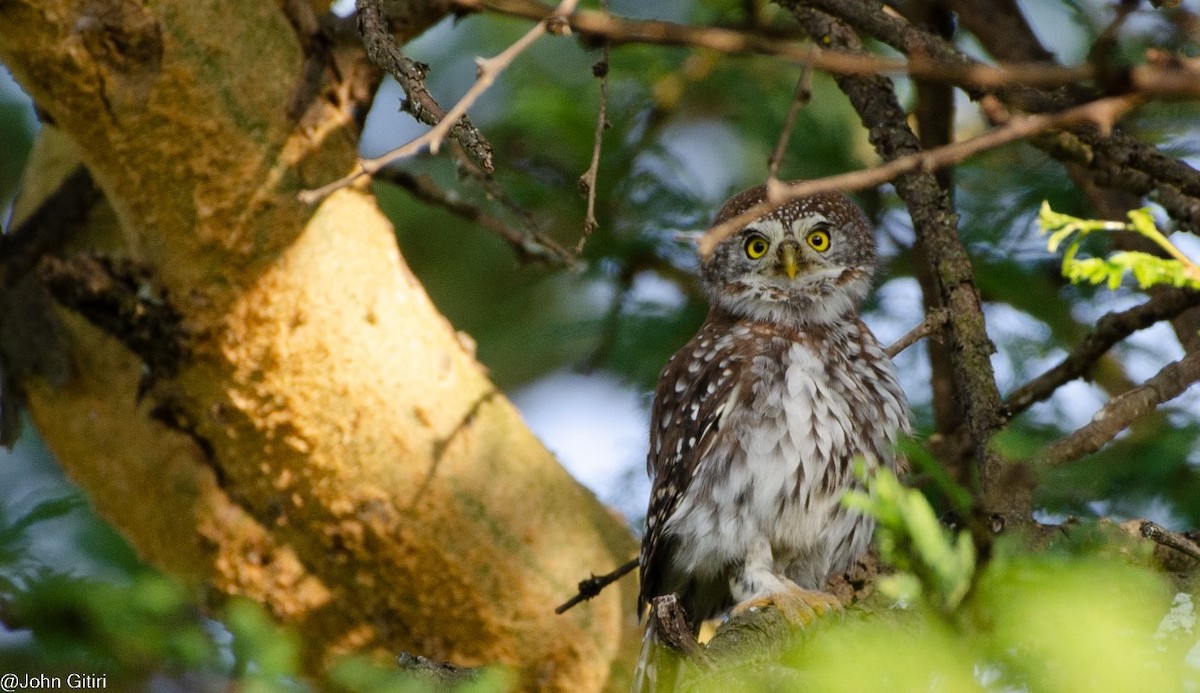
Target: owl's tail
(657,667)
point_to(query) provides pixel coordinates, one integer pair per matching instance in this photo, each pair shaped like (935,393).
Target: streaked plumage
(757,421)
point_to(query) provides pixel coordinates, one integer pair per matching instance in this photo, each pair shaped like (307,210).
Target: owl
(758,420)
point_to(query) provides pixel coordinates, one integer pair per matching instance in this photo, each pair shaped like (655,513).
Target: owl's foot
(798,605)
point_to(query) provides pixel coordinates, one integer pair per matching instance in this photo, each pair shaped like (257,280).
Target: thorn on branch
(592,586)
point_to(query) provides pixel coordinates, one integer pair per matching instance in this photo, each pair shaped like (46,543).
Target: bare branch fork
(382,50)
(1109,329)
(488,70)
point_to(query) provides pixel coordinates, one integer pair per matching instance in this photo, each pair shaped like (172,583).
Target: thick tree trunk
(312,434)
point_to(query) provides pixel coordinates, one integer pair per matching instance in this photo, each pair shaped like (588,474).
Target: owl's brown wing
(696,390)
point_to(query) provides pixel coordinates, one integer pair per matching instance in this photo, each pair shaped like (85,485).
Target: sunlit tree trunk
(311,433)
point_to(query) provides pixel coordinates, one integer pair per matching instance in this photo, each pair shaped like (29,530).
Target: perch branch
(671,625)
(1120,411)
(488,70)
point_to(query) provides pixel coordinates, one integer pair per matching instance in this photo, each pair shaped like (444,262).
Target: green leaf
(911,538)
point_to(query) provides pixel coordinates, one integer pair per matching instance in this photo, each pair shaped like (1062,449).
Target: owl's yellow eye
(756,247)
(818,240)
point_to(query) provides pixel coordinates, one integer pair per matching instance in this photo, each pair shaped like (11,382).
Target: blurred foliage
(1089,613)
(931,562)
(143,632)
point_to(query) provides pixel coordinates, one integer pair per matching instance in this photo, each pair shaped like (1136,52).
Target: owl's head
(808,262)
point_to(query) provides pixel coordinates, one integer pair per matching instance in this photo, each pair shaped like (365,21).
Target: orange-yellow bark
(366,481)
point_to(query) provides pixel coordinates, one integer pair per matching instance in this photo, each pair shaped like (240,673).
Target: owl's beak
(787,259)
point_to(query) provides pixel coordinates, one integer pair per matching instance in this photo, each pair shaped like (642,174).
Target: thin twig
(1109,330)
(530,246)
(799,100)
(383,51)
(1174,540)
(488,70)
(932,323)
(1120,411)
(1106,110)
(595,584)
(587,182)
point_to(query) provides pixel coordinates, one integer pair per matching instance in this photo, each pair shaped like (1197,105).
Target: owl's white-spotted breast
(758,420)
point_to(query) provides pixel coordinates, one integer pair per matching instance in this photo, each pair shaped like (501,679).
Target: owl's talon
(798,605)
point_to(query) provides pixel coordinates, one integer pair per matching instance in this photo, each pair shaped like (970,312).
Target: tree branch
(1161,535)
(384,52)
(1121,410)
(594,585)
(933,322)
(1109,330)
(1114,159)
(800,99)
(488,70)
